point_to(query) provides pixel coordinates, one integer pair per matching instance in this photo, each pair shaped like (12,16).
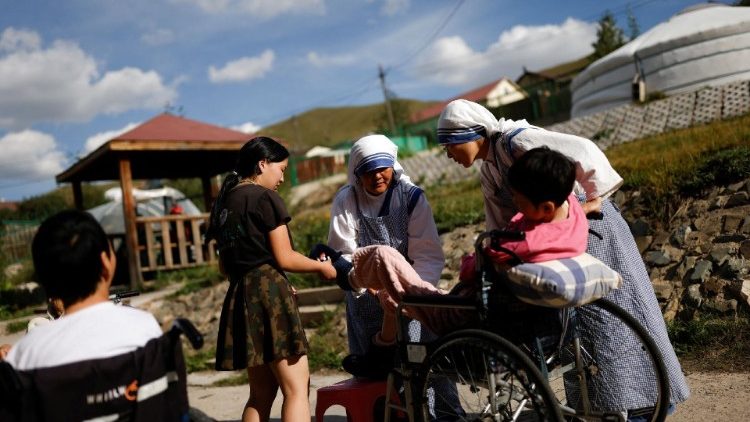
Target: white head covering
(465,121)
(372,152)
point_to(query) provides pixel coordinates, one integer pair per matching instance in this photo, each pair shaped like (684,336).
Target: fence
(16,239)
(173,241)
(630,122)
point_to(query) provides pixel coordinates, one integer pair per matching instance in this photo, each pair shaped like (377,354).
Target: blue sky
(76,73)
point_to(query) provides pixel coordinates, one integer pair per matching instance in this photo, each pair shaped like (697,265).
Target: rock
(684,267)
(745,228)
(745,249)
(718,203)
(732,268)
(736,187)
(640,227)
(657,258)
(679,236)
(737,199)
(692,296)
(714,285)
(745,291)
(731,223)
(719,255)
(643,242)
(701,271)
(720,306)
(662,288)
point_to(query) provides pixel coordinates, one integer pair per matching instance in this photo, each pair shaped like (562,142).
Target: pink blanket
(383,267)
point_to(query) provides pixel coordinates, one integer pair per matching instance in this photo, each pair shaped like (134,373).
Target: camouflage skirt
(259,322)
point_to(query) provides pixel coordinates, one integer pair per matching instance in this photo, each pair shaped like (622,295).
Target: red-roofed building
(164,147)
(494,94)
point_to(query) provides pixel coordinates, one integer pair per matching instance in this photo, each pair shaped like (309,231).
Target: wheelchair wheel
(582,376)
(494,381)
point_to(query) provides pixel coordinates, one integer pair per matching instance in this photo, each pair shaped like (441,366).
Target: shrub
(327,345)
(721,168)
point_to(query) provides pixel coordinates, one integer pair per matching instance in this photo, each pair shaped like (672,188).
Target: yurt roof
(693,24)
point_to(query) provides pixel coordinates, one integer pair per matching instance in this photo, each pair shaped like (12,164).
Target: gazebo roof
(165,146)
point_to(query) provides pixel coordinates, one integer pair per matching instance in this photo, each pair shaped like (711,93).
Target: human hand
(327,272)
(4,350)
(592,206)
(387,302)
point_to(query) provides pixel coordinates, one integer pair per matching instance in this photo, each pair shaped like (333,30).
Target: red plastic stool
(356,395)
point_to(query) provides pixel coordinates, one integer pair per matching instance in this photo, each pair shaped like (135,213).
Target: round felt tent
(703,45)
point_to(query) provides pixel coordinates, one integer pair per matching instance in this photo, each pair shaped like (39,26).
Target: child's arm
(293,261)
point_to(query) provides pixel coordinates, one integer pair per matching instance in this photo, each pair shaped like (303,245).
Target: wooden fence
(173,241)
(16,238)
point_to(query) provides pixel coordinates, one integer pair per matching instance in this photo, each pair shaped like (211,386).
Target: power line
(443,64)
(431,38)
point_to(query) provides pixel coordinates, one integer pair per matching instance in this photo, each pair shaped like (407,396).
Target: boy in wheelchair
(551,225)
(99,359)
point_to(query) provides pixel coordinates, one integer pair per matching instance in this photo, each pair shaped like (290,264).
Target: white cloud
(450,61)
(248,127)
(29,155)
(243,69)
(95,141)
(19,39)
(159,36)
(319,60)
(392,7)
(259,8)
(63,83)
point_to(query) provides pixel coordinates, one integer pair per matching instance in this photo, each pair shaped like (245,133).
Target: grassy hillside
(329,126)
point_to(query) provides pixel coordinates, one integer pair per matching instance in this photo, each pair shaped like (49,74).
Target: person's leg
(263,388)
(387,334)
(293,375)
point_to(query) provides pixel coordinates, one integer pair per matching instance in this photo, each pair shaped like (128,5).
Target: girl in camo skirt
(260,327)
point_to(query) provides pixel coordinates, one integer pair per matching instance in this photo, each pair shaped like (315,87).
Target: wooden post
(131,234)
(77,195)
(209,192)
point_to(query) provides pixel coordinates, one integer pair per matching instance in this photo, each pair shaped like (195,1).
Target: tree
(742,3)
(609,37)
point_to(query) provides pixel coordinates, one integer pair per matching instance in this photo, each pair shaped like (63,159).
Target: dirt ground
(721,397)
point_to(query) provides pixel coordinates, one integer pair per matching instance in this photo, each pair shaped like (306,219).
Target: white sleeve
(342,231)
(593,171)
(497,213)
(425,248)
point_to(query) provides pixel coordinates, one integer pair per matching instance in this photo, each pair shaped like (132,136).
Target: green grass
(199,360)
(711,343)
(238,379)
(664,166)
(16,326)
(328,345)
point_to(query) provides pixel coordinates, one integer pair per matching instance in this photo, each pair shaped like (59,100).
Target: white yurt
(703,45)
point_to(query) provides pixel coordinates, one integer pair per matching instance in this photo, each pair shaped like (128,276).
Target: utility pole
(388,110)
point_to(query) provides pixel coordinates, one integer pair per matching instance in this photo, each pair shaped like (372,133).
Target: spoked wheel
(584,379)
(489,378)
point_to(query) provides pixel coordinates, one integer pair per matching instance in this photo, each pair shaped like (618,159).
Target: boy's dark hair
(67,255)
(542,174)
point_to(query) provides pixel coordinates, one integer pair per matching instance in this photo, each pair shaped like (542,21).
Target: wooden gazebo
(169,147)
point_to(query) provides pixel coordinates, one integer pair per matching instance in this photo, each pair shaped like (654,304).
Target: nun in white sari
(397,215)
(468,132)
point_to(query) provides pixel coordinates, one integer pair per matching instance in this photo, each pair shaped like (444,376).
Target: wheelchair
(513,361)
(147,384)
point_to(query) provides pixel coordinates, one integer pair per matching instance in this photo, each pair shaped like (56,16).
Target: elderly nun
(381,206)
(468,132)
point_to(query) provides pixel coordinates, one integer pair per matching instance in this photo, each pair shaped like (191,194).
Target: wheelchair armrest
(184,326)
(439,301)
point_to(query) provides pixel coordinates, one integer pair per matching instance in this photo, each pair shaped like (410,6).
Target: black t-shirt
(250,212)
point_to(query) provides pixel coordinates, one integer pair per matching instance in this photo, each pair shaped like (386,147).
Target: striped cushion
(563,282)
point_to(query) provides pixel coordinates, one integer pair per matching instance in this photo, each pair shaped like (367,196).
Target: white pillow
(563,282)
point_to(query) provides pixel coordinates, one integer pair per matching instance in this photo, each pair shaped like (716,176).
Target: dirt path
(721,397)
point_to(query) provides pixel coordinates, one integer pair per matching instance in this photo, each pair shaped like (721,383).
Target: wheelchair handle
(184,326)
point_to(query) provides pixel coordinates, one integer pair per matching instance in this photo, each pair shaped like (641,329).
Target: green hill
(330,126)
